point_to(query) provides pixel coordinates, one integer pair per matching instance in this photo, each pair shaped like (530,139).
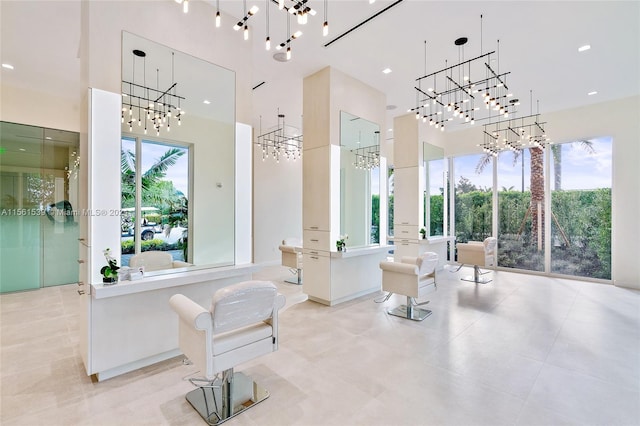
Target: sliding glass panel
(20,225)
(581,208)
(58,191)
(473,204)
(519,215)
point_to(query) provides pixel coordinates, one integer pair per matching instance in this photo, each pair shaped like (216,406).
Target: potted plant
(341,245)
(423,233)
(109,272)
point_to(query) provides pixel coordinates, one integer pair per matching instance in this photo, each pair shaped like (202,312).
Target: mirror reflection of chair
(413,277)
(291,249)
(156,261)
(242,324)
(477,253)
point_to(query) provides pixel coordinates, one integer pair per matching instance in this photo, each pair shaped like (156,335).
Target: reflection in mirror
(437,183)
(178,151)
(359,180)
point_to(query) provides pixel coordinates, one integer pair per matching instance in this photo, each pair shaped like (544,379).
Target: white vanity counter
(176,278)
(131,325)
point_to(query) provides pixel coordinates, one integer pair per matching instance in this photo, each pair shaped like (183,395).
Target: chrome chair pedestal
(297,280)
(226,398)
(408,311)
(476,278)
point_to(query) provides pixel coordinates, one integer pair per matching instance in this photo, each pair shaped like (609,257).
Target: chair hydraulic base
(408,311)
(297,280)
(476,278)
(226,398)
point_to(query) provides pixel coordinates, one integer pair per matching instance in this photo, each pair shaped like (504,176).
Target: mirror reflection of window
(200,115)
(359,180)
(158,174)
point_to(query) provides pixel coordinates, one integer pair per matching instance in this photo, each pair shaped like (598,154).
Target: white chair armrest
(402,268)
(290,249)
(180,264)
(190,312)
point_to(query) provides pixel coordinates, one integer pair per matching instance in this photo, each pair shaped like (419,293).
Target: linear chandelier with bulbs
(146,105)
(277,143)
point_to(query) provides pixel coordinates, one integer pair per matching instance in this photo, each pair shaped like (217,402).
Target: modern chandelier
(467,91)
(148,106)
(368,157)
(515,134)
(279,143)
(299,9)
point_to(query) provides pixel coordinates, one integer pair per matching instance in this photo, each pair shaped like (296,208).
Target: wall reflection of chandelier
(280,143)
(154,107)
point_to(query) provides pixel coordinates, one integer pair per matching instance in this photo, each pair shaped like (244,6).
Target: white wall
(277,187)
(618,119)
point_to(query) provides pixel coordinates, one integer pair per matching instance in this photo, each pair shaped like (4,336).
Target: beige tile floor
(522,350)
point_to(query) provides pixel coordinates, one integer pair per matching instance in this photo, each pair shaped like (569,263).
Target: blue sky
(580,168)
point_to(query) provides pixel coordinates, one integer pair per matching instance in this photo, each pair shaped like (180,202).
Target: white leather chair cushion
(225,342)
(242,304)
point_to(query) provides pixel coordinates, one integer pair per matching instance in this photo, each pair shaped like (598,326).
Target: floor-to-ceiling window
(581,208)
(520,186)
(155,191)
(473,197)
(38,207)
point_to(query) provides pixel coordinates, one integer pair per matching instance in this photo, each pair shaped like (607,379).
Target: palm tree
(149,178)
(537,178)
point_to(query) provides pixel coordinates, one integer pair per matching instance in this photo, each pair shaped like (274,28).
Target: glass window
(437,189)
(155,191)
(473,197)
(581,208)
(521,209)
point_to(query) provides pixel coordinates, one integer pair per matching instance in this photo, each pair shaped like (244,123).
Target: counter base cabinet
(437,245)
(337,279)
(135,330)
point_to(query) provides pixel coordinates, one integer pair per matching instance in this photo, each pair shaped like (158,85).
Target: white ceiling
(538,46)
(539,43)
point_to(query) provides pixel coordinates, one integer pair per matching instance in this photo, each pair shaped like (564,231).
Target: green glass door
(38,244)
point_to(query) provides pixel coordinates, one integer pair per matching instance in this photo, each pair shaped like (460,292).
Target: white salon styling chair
(413,277)
(242,324)
(291,249)
(477,253)
(156,261)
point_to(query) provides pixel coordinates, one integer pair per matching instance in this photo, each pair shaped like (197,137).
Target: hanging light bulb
(267,43)
(288,52)
(218,19)
(325,29)
(185,6)
(280,4)
(246,32)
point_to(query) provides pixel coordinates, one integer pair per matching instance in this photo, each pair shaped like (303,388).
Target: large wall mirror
(359,180)
(177,158)
(437,188)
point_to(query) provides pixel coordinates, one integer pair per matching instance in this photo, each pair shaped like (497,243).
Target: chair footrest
(220,403)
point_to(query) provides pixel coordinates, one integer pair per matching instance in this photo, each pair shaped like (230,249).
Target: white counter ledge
(172,279)
(360,251)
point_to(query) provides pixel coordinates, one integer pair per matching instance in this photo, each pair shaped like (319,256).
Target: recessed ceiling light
(592,93)
(391,130)
(583,48)
(386,70)
(206,102)
(7,66)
